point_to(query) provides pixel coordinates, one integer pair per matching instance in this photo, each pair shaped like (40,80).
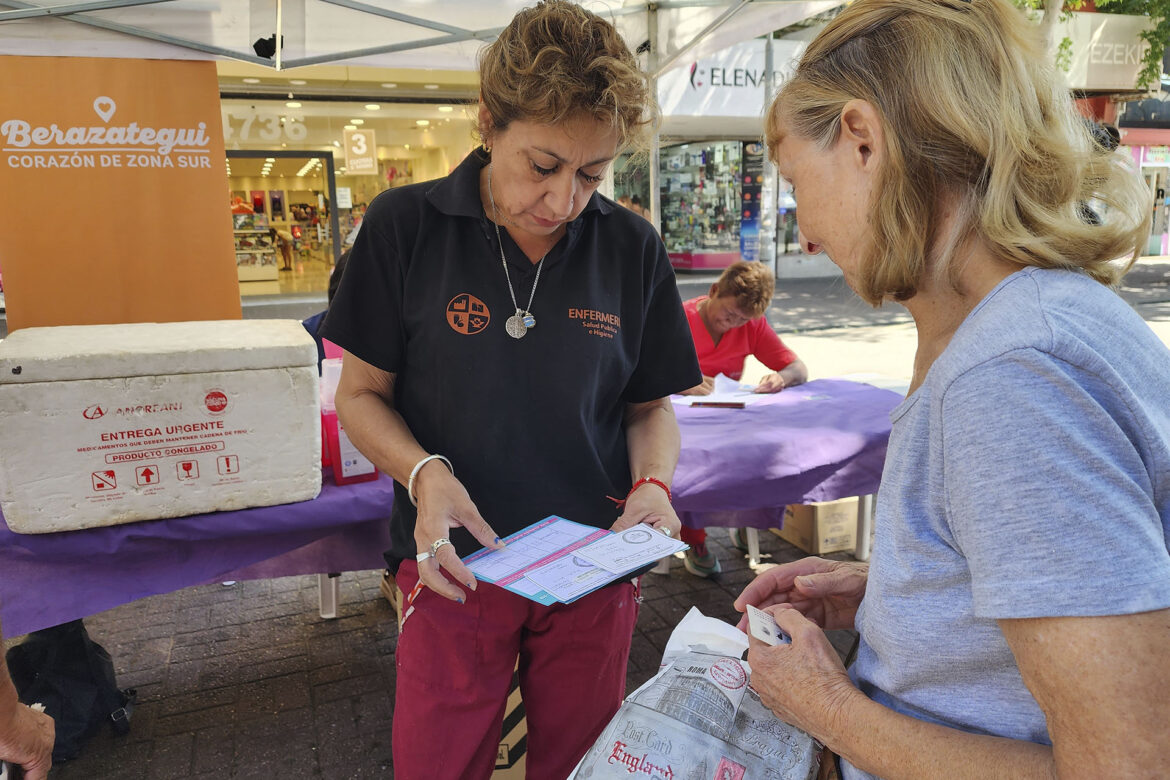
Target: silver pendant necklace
(518,324)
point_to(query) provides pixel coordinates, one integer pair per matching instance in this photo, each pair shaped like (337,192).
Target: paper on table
(726,391)
(631,549)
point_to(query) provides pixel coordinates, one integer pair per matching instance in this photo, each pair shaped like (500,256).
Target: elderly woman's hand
(443,504)
(804,682)
(826,592)
(26,739)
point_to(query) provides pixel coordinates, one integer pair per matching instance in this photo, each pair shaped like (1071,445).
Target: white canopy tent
(409,34)
(440,34)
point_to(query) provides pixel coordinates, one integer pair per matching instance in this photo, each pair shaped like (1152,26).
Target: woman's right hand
(826,592)
(443,504)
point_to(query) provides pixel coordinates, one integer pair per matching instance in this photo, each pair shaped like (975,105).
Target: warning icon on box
(147,475)
(104,480)
(187,469)
(228,464)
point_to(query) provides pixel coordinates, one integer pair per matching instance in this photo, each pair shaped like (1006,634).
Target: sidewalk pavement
(247,681)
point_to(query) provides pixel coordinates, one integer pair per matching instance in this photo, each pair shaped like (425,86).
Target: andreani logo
(104,146)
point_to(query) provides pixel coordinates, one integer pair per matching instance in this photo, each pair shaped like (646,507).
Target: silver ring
(667,532)
(422,556)
(439,543)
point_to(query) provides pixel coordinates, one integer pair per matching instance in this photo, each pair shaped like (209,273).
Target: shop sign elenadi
(728,83)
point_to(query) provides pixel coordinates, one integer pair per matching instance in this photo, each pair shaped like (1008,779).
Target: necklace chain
(524,315)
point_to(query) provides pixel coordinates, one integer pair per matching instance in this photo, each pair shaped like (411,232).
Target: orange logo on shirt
(467,314)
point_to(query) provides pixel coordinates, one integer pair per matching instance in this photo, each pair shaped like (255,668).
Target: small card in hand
(763,627)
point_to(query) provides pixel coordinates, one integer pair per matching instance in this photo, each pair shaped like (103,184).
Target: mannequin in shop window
(284,240)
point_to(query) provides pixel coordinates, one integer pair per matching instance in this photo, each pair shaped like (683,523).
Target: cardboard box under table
(822,526)
(109,424)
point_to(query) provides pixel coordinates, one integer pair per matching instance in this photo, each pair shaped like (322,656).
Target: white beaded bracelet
(418,467)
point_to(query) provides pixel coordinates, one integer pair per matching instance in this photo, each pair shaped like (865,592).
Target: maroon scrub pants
(454,666)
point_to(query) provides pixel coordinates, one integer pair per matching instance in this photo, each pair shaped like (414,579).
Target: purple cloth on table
(46,579)
(816,442)
(739,467)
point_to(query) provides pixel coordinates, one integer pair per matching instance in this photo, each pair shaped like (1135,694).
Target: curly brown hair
(751,284)
(556,61)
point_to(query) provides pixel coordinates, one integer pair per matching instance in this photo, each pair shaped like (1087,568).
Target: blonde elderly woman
(512,339)
(1014,618)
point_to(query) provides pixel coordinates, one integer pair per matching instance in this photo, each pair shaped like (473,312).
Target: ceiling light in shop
(372,107)
(337,144)
(351,127)
(298,82)
(430,86)
(269,159)
(293,104)
(357,121)
(422,122)
(446,109)
(389,85)
(251,81)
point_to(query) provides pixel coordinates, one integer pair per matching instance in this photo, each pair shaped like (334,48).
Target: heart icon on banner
(105,107)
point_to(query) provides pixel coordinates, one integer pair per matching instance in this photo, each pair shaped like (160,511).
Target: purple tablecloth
(819,441)
(46,579)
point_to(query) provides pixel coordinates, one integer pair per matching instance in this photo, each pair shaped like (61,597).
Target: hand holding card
(763,627)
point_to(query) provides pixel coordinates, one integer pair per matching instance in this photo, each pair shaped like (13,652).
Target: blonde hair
(976,117)
(751,284)
(555,62)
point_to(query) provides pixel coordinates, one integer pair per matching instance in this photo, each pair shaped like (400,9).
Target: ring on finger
(666,531)
(423,556)
(441,542)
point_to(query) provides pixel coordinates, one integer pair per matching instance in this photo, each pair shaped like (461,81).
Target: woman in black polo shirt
(511,342)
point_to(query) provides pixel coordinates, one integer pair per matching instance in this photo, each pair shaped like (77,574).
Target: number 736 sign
(361,153)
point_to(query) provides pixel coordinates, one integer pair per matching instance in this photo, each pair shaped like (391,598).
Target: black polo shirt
(534,426)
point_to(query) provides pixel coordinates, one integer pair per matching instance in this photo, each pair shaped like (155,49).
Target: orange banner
(113,192)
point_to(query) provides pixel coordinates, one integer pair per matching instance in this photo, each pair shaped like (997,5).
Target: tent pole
(279,31)
(771,185)
(655,199)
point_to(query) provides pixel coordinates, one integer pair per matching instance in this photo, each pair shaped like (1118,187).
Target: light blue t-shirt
(1029,476)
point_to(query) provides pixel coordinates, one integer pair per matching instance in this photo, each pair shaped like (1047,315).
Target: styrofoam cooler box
(109,424)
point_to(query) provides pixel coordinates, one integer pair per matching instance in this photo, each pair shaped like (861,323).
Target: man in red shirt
(728,324)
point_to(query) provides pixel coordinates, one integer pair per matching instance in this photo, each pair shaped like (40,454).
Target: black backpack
(73,676)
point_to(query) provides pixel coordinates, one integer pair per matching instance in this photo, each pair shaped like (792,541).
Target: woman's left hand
(803,683)
(772,383)
(649,504)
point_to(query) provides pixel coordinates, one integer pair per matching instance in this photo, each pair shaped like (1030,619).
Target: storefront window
(278,160)
(701,198)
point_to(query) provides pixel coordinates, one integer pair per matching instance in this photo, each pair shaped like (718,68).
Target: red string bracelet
(621,502)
